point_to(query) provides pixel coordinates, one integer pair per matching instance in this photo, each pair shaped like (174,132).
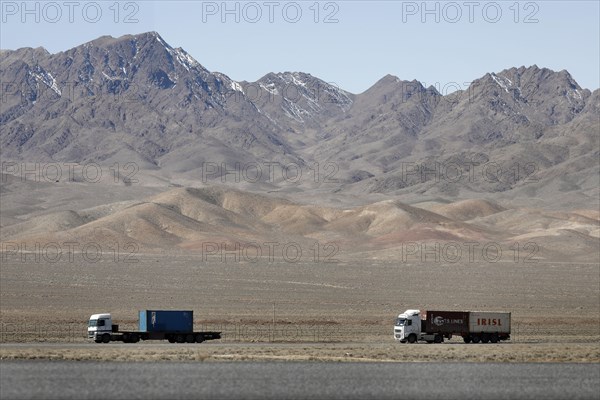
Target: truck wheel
(171,339)
(475,339)
(494,338)
(412,338)
(438,339)
(98,340)
(485,338)
(199,338)
(467,339)
(106,338)
(190,338)
(134,338)
(126,338)
(180,338)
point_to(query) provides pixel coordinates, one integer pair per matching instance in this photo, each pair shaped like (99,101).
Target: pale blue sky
(369,40)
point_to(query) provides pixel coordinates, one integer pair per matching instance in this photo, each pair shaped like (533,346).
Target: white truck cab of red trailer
(407,323)
(100,327)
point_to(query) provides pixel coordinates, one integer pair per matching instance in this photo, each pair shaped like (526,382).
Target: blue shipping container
(166,321)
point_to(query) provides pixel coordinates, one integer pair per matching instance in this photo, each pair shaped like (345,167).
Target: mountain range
(524,134)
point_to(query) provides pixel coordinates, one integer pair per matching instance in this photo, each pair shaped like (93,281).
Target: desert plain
(286,276)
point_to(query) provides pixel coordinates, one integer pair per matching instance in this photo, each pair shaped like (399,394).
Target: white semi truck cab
(433,326)
(100,327)
(408,324)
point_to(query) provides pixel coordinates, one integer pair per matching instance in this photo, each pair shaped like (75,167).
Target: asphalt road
(284,380)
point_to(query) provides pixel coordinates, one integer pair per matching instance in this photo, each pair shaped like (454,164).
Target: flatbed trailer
(174,326)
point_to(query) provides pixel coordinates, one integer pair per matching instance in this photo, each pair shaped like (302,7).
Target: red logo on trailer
(489,322)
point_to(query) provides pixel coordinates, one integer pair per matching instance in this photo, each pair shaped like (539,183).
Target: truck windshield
(401,322)
(93,322)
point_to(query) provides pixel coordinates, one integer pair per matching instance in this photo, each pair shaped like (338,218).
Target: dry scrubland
(186,219)
(317,352)
(351,306)
(332,307)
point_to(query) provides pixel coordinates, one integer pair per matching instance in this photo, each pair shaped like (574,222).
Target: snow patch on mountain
(108,77)
(574,94)
(271,88)
(503,82)
(187,61)
(237,87)
(46,78)
(292,110)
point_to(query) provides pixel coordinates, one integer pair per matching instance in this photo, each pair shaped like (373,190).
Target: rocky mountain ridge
(138,99)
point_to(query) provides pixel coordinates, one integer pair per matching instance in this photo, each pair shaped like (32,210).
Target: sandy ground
(311,311)
(391,352)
